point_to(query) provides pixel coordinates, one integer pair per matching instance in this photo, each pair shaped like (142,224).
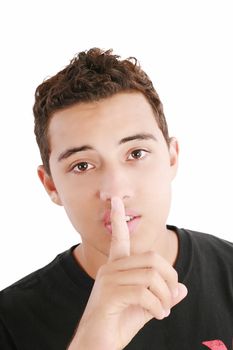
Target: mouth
(131,220)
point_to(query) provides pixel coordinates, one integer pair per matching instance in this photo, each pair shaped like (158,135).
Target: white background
(185,47)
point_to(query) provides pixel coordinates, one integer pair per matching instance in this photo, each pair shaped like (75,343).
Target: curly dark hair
(91,75)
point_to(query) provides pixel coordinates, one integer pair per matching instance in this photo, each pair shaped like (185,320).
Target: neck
(91,259)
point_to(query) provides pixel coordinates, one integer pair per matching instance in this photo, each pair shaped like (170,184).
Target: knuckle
(141,293)
(167,302)
(152,258)
(158,309)
(153,274)
(115,239)
(152,255)
(175,276)
(160,315)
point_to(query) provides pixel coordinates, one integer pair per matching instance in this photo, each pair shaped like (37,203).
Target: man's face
(111,148)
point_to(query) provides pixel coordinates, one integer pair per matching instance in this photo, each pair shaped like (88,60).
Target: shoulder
(204,260)
(202,240)
(30,286)
(206,251)
(209,242)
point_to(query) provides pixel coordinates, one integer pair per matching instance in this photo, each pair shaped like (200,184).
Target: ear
(173,154)
(48,184)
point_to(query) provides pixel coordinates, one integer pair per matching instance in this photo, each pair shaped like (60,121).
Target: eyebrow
(142,136)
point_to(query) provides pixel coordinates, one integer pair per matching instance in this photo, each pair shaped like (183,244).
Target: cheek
(156,179)
(71,190)
(79,211)
(158,196)
(155,190)
(77,200)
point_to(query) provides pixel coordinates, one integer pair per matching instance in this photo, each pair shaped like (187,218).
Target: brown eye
(82,167)
(137,154)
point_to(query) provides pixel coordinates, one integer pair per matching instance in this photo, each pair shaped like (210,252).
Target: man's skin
(109,161)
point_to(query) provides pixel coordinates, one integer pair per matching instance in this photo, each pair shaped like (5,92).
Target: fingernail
(167,313)
(115,203)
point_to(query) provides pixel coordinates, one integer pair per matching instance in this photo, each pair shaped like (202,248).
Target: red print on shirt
(215,345)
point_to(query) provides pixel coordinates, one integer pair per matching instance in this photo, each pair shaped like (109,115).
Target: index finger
(120,242)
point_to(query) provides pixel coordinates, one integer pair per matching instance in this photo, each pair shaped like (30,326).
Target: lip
(132,225)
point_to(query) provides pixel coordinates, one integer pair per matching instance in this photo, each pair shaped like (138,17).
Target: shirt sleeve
(6,341)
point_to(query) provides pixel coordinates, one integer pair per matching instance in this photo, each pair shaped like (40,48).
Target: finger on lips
(120,242)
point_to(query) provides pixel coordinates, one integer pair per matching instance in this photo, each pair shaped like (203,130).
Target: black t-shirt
(41,311)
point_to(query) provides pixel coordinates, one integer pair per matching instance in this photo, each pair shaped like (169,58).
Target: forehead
(108,119)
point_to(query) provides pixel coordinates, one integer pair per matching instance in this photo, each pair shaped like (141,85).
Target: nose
(115,183)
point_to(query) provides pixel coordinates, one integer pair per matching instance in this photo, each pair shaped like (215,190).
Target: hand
(129,291)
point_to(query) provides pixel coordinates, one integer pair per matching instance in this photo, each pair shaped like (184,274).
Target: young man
(134,282)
